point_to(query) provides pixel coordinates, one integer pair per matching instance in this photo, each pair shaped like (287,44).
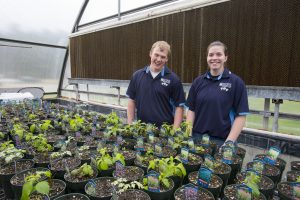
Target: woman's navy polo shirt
(156,98)
(216,102)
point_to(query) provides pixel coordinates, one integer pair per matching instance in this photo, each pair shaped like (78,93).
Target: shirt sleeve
(190,103)
(178,94)
(131,90)
(241,99)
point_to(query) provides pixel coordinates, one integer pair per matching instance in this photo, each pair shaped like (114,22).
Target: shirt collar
(225,74)
(165,70)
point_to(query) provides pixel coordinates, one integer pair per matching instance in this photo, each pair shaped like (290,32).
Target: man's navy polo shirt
(156,98)
(216,102)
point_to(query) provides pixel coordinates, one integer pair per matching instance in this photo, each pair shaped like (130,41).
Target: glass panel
(132,4)
(99,9)
(32,66)
(47,21)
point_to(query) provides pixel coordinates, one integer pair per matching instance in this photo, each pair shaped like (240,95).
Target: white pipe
(175,7)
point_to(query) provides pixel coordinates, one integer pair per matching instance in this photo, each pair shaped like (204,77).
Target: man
(155,91)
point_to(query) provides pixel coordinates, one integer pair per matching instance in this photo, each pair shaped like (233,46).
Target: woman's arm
(236,128)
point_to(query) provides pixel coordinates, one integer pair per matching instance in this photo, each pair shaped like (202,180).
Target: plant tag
(94,120)
(191,144)
(272,155)
(153,181)
(116,149)
(92,188)
(18,141)
(171,142)
(231,144)
(227,155)
(244,192)
(209,161)
(77,134)
(119,169)
(204,177)
(100,144)
(139,157)
(296,190)
(258,166)
(184,155)
(119,140)
(158,149)
(163,131)
(205,139)
(151,138)
(190,192)
(66,167)
(140,144)
(94,161)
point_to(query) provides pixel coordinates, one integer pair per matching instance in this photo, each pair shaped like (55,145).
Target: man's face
(159,57)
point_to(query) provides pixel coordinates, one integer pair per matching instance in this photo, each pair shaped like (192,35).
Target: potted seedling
(129,156)
(125,189)
(100,188)
(41,149)
(295,165)
(241,192)
(10,153)
(158,186)
(289,190)
(170,168)
(9,170)
(78,177)
(36,183)
(18,180)
(190,191)
(142,160)
(292,176)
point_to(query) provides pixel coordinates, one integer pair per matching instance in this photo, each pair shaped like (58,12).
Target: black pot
(215,191)
(208,194)
(106,173)
(235,167)
(78,186)
(17,189)
(275,178)
(144,167)
(291,176)
(96,181)
(166,195)
(226,197)
(68,196)
(61,192)
(5,179)
(140,171)
(295,165)
(59,173)
(282,194)
(129,144)
(130,193)
(224,176)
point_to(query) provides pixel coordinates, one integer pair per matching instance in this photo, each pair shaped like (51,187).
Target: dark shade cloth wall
(263,39)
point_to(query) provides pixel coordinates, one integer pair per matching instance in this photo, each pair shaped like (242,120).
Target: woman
(217,100)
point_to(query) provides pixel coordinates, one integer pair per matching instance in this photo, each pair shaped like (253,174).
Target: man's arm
(130,111)
(178,117)
(236,128)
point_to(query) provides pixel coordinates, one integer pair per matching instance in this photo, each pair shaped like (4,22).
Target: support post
(277,103)
(266,114)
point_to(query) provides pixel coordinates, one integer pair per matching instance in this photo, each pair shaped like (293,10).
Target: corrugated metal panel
(262,37)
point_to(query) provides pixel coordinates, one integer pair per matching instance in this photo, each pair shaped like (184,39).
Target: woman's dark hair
(218,43)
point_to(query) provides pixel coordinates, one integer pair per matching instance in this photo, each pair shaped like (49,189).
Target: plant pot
(78,185)
(270,171)
(57,189)
(72,196)
(17,187)
(223,171)
(291,176)
(5,176)
(58,169)
(280,163)
(104,188)
(132,195)
(42,159)
(129,156)
(206,150)
(202,194)
(235,166)
(295,165)
(285,191)
(230,193)
(106,173)
(266,185)
(128,144)
(162,195)
(131,173)
(214,187)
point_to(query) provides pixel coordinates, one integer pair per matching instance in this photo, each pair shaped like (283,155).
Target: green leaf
(26,190)
(32,128)
(43,187)
(166,182)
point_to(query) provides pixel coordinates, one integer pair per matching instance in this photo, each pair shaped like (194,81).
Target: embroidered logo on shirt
(225,86)
(165,82)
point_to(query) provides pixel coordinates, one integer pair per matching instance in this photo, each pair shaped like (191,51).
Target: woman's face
(216,58)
